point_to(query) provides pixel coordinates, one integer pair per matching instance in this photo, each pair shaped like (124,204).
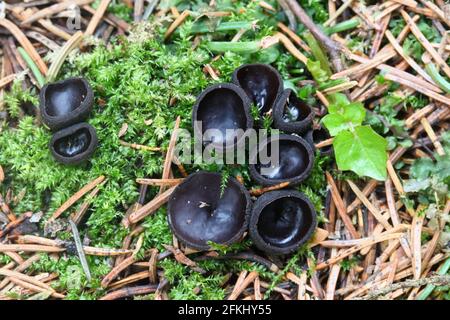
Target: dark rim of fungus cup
(314,136)
(296,160)
(260,82)
(222,106)
(74,144)
(291,114)
(65,102)
(281,221)
(198,213)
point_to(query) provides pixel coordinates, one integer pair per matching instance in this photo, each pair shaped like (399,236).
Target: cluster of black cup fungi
(278,221)
(65,105)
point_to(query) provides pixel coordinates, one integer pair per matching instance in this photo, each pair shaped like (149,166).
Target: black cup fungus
(295,162)
(261,82)
(281,221)
(314,136)
(198,213)
(291,114)
(74,144)
(65,102)
(223,107)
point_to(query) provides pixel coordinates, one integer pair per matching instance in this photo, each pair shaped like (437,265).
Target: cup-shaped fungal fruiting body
(317,135)
(74,144)
(292,162)
(292,115)
(199,210)
(65,102)
(281,221)
(221,114)
(261,82)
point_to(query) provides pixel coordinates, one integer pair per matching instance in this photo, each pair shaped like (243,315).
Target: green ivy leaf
(344,116)
(362,151)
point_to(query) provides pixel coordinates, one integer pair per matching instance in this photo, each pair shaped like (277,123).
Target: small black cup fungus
(292,115)
(198,213)
(281,221)
(74,144)
(314,136)
(65,102)
(224,107)
(261,82)
(295,160)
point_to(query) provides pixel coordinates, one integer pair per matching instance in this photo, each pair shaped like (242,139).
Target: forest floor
(383,230)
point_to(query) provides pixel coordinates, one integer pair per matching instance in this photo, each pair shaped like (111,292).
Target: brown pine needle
(151,206)
(425,43)
(178,21)
(416,236)
(160,182)
(139,146)
(95,20)
(170,152)
(369,205)
(130,292)
(419,114)
(347,252)
(324,143)
(260,191)
(66,205)
(6,80)
(114,273)
(25,43)
(290,47)
(407,58)
(340,207)
(434,139)
(242,285)
(54,9)
(294,37)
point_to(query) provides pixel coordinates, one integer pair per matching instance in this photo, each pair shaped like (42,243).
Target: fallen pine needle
(25,43)
(160,182)
(68,47)
(96,17)
(347,252)
(139,146)
(151,206)
(260,191)
(178,21)
(66,205)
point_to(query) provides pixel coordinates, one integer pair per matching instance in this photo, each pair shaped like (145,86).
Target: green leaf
(413,185)
(362,151)
(422,168)
(344,116)
(316,71)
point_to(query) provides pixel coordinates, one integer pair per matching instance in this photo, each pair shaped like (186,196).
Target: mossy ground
(134,81)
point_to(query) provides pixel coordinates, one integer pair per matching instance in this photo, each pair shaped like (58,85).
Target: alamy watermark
(230,146)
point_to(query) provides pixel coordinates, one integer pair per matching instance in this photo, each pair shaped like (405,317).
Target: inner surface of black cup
(73,144)
(320,135)
(281,221)
(295,109)
(261,82)
(291,114)
(63,98)
(295,160)
(292,162)
(198,212)
(225,108)
(284,222)
(65,102)
(317,135)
